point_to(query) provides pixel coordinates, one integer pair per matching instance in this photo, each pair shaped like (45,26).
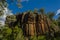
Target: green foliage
(20,34)
(11,18)
(58,38)
(41,38)
(7,33)
(7,30)
(51,15)
(41,10)
(33,38)
(1,13)
(58,21)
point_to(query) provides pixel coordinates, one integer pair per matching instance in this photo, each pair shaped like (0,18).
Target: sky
(48,5)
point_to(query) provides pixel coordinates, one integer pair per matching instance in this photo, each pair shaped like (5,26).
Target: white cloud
(58,11)
(6,12)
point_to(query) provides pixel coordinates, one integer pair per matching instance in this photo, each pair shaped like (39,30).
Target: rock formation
(33,23)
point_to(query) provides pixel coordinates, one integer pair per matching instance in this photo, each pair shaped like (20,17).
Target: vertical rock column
(30,27)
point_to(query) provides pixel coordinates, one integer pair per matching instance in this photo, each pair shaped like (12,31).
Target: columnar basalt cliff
(35,23)
(32,23)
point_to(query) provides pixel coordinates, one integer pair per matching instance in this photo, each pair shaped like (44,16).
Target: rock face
(33,23)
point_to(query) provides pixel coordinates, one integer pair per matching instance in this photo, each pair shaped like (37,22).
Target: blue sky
(48,5)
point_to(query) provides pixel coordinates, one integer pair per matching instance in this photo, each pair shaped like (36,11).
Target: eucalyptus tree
(51,15)
(4,3)
(41,11)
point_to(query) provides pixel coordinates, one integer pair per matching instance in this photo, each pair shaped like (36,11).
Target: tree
(19,35)
(5,33)
(51,15)
(4,3)
(41,10)
(35,10)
